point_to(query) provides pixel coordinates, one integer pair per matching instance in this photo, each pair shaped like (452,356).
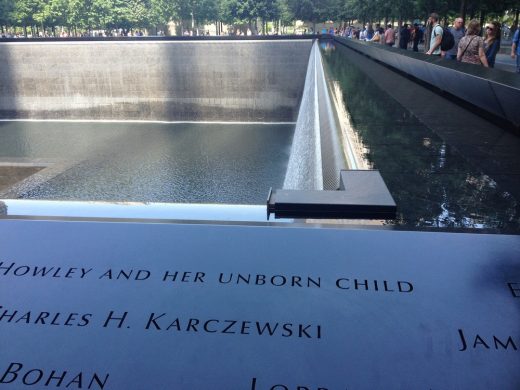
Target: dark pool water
(433,184)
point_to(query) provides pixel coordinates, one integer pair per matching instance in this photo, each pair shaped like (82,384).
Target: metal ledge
(10,208)
(362,195)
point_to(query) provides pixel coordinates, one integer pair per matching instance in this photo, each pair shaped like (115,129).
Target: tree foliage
(87,15)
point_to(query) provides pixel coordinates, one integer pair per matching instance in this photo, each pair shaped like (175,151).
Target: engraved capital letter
(463,341)
(17,367)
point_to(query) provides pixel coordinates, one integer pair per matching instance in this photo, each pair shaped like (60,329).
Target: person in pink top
(389,35)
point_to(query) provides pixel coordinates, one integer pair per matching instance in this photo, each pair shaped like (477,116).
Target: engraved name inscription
(17,374)
(486,342)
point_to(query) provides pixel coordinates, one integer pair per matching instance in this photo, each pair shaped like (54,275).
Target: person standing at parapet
(417,36)
(370,32)
(389,35)
(471,46)
(363,34)
(458,32)
(381,34)
(376,37)
(436,37)
(404,37)
(492,42)
(515,49)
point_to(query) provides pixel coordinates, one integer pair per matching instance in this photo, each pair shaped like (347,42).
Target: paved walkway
(505,62)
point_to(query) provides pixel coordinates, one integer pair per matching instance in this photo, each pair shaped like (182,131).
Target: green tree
(161,12)
(267,10)
(130,14)
(236,12)
(24,11)
(248,12)
(306,10)
(362,11)
(6,9)
(192,13)
(285,15)
(79,12)
(58,14)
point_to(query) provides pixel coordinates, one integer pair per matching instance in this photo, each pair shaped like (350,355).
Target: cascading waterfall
(304,167)
(318,148)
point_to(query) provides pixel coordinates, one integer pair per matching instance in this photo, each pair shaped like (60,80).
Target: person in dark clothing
(417,36)
(492,42)
(370,32)
(404,37)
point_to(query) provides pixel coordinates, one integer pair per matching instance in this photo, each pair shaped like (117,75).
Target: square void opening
(10,175)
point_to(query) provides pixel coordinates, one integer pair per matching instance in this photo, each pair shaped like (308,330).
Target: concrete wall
(158,80)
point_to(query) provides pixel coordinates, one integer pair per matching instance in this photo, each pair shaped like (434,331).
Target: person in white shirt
(436,37)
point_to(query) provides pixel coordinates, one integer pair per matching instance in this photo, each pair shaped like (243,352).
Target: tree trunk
(463,7)
(482,19)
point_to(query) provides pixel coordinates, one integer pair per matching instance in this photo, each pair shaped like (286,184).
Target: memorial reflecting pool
(150,162)
(435,183)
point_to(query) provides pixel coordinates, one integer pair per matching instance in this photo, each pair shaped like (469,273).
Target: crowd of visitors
(406,36)
(472,45)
